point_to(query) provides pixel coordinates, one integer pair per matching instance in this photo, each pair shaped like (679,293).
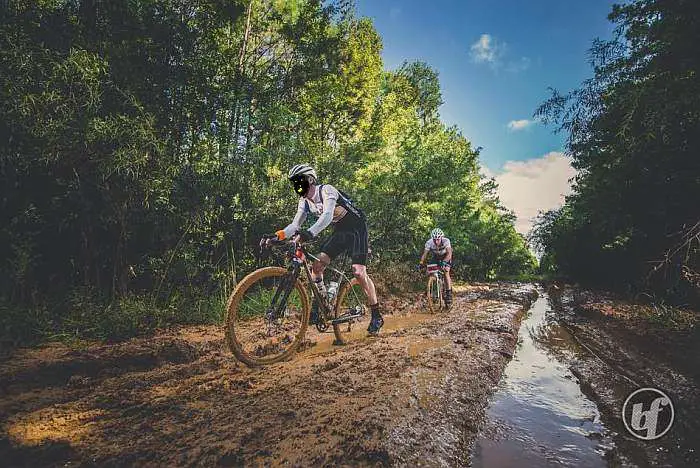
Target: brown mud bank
(413,396)
(623,350)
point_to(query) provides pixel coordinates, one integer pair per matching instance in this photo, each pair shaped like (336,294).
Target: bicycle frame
(300,260)
(435,272)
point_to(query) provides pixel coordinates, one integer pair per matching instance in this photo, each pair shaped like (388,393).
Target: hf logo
(648,413)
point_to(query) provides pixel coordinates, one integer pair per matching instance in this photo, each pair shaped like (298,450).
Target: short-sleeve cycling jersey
(440,250)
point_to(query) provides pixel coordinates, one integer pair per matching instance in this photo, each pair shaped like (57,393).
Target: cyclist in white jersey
(350,233)
(441,249)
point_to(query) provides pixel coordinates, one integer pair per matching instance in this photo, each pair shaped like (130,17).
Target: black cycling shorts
(349,235)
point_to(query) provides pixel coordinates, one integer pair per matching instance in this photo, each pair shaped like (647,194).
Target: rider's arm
(423,257)
(448,253)
(298,220)
(448,250)
(426,250)
(330,195)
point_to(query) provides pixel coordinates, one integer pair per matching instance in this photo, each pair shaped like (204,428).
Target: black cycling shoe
(448,298)
(375,325)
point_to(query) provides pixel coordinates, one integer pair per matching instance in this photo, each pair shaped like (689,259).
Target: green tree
(633,134)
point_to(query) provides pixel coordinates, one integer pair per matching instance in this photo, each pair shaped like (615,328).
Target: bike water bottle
(332,290)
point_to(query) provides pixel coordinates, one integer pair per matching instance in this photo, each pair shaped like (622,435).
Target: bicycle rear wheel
(351,302)
(267,316)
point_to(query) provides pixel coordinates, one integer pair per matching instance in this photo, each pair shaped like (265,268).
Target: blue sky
(496,60)
(542,43)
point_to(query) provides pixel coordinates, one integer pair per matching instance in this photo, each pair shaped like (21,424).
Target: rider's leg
(448,286)
(317,269)
(360,273)
(448,279)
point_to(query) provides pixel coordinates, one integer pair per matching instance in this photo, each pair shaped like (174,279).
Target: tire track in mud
(414,396)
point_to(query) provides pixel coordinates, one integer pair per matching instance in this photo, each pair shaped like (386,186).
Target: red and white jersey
(438,249)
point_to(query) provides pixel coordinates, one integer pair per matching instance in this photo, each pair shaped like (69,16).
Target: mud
(624,351)
(413,396)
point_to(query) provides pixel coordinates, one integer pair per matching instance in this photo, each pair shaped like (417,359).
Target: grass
(669,316)
(85,316)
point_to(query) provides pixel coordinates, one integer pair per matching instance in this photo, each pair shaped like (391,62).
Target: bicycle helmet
(302,170)
(437,233)
(301,176)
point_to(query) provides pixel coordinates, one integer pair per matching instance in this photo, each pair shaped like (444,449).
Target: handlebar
(267,243)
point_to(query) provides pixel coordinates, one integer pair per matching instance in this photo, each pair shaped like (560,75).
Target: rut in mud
(416,393)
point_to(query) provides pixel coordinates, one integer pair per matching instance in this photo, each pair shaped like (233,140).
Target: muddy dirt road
(620,352)
(415,395)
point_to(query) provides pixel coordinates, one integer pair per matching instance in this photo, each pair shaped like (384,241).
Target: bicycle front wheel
(434,294)
(267,316)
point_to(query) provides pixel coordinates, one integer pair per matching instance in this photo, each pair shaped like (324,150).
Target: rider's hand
(266,239)
(419,267)
(304,236)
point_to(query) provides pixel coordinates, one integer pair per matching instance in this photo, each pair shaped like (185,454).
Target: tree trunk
(234,123)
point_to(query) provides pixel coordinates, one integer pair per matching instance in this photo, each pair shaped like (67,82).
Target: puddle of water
(539,416)
(415,348)
(323,343)
(424,381)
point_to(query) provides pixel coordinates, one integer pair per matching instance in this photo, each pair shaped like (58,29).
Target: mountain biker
(349,234)
(441,250)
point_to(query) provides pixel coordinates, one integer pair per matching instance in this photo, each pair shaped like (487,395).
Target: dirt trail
(413,396)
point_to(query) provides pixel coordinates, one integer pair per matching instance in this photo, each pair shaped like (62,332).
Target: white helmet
(437,233)
(302,169)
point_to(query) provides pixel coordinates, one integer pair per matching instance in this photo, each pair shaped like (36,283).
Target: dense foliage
(633,221)
(145,145)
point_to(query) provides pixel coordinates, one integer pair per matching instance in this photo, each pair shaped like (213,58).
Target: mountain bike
(436,287)
(268,311)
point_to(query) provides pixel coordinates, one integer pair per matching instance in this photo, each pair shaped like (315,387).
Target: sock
(375,310)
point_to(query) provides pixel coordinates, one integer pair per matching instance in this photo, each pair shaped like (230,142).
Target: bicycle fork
(279,299)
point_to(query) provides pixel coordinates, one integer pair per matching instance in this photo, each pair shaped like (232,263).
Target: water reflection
(538,416)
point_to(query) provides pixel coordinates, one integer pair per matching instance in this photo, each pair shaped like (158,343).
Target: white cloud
(516,125)
(493,52)
(517,66)
(486,172)
(528,187)
(486,49)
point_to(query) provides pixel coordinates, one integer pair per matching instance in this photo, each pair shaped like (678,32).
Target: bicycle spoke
(269,315)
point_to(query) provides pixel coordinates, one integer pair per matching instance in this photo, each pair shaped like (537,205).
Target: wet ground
(413,396)
(579,355)
(422,394)
(621,350)
(539,416)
